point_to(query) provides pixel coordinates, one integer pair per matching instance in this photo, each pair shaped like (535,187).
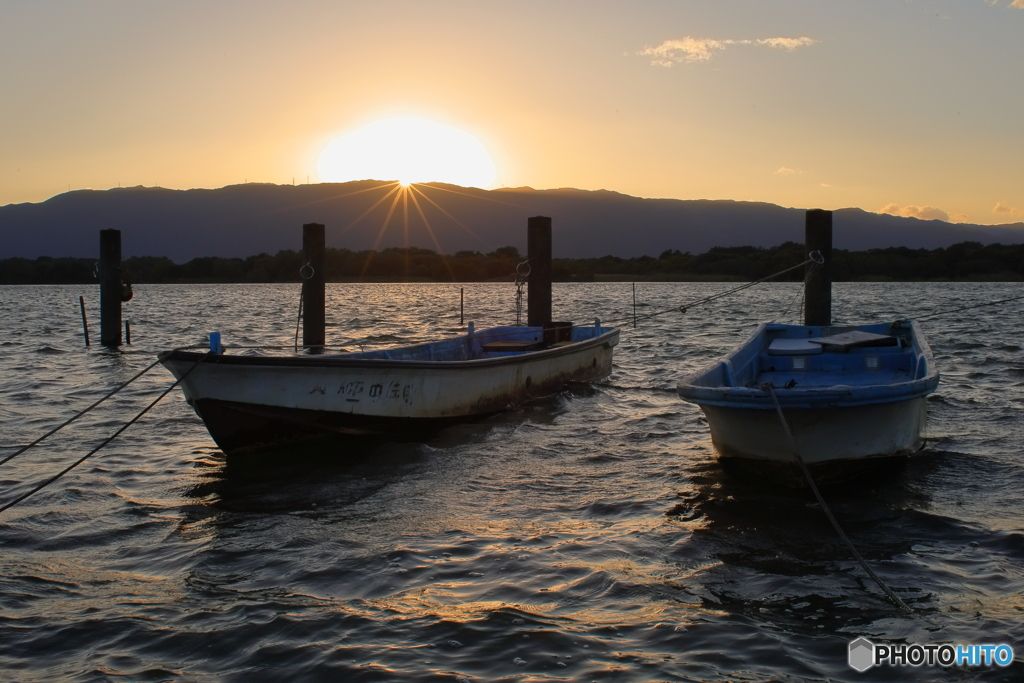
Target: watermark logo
(864,654)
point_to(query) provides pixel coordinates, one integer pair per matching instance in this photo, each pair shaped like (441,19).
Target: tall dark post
(313,288)
(538,251)
(110,287)
(818,290)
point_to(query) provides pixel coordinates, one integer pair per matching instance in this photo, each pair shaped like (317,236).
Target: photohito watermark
(864,654)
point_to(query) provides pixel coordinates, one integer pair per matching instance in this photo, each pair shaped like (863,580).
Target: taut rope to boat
(967,308)
(828,513)
(814,259)
(75,417)
(104,442)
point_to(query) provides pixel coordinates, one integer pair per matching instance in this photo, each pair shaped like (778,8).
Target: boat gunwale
(322,361)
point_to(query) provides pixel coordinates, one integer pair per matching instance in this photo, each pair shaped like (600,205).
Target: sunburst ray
(363,215)
(441,209)
(433,237)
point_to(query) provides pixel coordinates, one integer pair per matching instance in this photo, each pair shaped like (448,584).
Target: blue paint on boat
(825,376)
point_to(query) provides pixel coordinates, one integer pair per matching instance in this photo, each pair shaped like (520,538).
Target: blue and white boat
(853,397)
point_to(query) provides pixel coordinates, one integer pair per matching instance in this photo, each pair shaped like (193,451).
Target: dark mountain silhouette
(242,220)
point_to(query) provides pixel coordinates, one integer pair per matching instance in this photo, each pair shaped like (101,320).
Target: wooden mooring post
(538,251)
(110,287)
(818,288)
(314,296)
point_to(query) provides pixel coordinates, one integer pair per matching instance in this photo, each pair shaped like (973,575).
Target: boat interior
(792,356)
(494,342)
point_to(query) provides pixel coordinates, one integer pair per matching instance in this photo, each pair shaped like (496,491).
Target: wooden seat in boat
(513,346)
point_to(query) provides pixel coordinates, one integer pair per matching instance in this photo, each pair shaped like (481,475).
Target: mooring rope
(801,292)
(103,443)
(522,274)
(967,308)
(65,424)
(813,258)
(302,293)
(298,318)
(770,388)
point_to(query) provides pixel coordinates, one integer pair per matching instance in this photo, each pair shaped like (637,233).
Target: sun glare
(409,150)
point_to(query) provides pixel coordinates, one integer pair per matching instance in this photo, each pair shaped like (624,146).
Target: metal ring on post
(302,271)
(816,257)
(523,273)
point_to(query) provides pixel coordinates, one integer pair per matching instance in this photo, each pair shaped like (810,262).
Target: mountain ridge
(246,219)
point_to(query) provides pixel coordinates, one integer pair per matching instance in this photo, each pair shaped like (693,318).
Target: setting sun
(409,150)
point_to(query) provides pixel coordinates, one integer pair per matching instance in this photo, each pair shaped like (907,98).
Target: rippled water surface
(585,536)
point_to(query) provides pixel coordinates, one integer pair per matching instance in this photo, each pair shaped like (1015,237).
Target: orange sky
(910,107)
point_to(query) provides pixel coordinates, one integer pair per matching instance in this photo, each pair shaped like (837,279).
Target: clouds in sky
(925,213)
(1019,4)
(1002,209)
(788,171)
(691,49)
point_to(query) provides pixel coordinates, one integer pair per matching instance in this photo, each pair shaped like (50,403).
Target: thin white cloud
(788,171)
(791,44)
(685,50)
(1004,210)
(689,49)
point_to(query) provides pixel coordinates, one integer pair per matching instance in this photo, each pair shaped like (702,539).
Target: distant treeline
(963,261)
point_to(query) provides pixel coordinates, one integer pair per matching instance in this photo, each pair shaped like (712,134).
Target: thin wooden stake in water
(85,321)
(127,333)
(462,304)
(634,305)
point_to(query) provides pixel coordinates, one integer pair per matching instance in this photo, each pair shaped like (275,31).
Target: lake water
(589,536)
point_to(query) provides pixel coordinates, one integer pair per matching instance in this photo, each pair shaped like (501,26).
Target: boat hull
(836,443)
(250,402)
(821,435)
(244,427)
(852,396)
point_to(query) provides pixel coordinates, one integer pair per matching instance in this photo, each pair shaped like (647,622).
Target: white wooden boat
(250,402)
(853,396)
